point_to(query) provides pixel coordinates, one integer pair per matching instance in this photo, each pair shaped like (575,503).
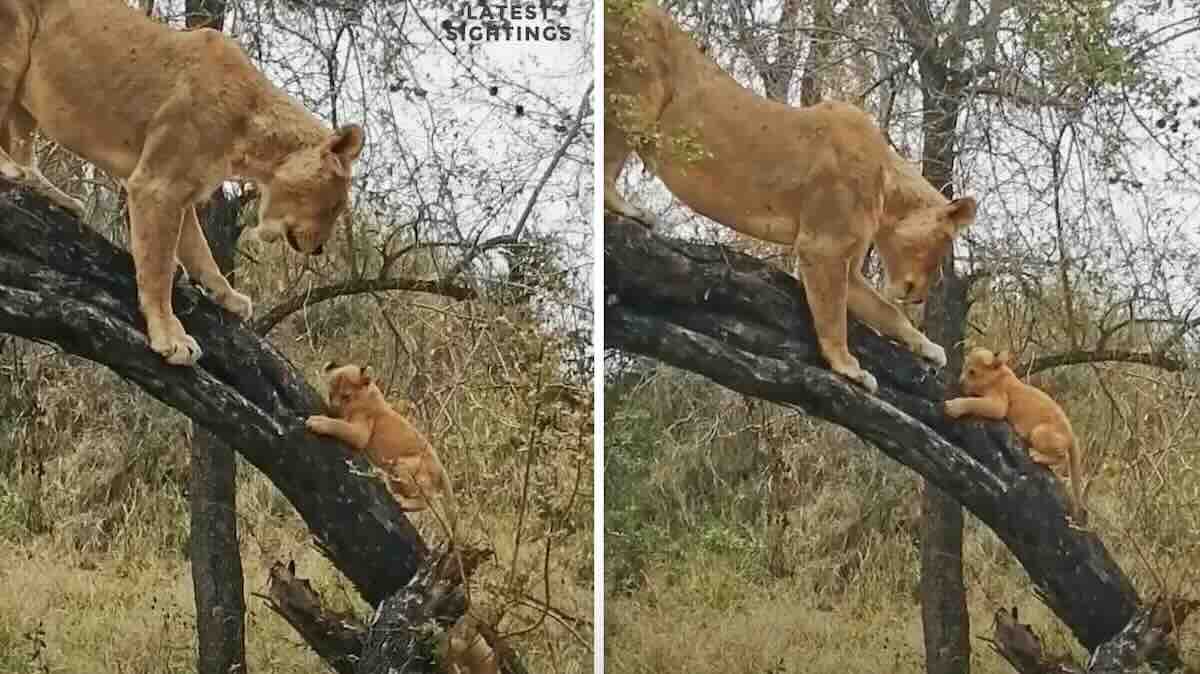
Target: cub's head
(982,369)
(347,384)
(310,191)
(912,251)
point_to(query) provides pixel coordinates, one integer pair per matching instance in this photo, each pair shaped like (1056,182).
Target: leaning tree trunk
(745,325)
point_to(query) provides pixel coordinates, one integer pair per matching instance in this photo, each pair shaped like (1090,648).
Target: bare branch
(267,322)
(1080,356)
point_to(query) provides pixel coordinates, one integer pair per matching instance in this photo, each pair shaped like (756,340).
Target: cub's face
(982,370)
(912,251)
(346,384)
(309,192)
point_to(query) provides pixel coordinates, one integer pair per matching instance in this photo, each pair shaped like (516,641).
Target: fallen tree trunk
(745,325)
(63,282)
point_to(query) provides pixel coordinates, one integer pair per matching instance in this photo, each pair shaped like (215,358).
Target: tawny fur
(821,179)
(171,114)
(364,420)
(997,393)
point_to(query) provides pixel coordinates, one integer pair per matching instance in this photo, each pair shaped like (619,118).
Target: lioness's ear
(347,143)
(960,212)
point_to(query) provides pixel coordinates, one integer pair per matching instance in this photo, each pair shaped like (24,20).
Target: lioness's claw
(932,352)
(184,352)
(862,378)
(237,304)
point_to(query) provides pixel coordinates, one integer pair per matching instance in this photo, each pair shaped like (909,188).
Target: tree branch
(1080,356)
(278,313)
(745,325)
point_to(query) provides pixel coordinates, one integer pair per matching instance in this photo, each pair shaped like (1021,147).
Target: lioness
(171,114)
(820,179)
(999,394)
(367,423)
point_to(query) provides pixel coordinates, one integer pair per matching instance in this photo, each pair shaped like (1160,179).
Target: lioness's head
(912,251)
(982,369)
(309,192)
(346,384)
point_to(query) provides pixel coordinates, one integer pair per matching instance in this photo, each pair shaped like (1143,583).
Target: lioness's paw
(178,350)
(862,378)
(955,408)
(932,352)
(13,172)
(238,304)
(69,204)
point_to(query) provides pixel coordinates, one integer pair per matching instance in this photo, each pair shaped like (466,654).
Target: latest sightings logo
(509,21)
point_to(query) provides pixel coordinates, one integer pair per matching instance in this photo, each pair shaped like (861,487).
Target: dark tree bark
(63,282)
(217,576)
(745,325)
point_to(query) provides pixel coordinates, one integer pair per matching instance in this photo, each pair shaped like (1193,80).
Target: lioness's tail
(1076,481)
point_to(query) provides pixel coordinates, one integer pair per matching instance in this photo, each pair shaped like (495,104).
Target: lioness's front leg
(872,309)
(825,285)
(155,222)
(355,435)
(197,260)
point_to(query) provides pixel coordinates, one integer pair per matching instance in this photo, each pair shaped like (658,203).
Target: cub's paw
(955,408)
(317,424)
(932,352)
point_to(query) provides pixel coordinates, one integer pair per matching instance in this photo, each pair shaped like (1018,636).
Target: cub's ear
(330,365)
(347,143)
(364,376)
(1003,358)
(960,213)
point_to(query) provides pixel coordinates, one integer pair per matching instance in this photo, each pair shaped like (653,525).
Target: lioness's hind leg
(197,260)
(17,140)
(616,153)
(826,285)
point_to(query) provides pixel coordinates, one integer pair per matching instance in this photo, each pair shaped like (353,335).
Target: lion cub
(366,422)
(1033,414)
